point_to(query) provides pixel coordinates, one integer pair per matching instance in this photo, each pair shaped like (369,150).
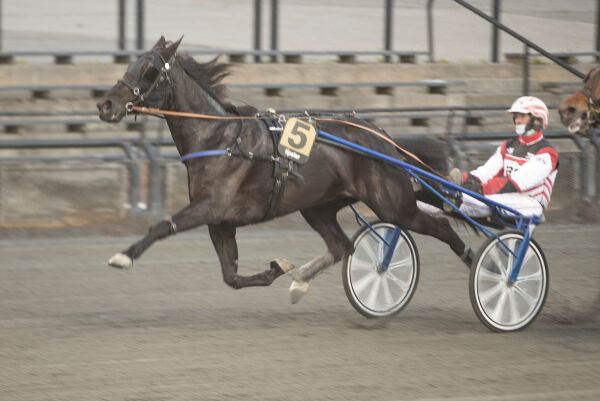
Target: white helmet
(531,105)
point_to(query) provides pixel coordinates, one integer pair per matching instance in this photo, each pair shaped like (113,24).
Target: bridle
(161,66)
(593,104)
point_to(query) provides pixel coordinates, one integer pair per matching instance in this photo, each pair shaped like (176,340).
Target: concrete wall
(44,194)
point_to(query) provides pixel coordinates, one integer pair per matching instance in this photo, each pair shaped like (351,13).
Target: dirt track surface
(170,329)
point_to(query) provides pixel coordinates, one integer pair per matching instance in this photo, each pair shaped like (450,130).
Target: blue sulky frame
(510,217)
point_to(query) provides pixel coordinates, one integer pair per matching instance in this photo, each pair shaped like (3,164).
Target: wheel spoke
(490,293)
(368,248)
(374,292)
(497,259)
(403,285)
(364,283)
(528,256)
(497,311)
(406,262)
(388,298)
(485,274)
(514,311)
(528,298)
(530,277)
(360,264)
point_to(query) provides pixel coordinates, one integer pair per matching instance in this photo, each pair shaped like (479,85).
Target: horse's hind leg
(407,215)
(323,220)
(223,238)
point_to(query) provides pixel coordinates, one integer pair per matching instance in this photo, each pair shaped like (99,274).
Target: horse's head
(144,83)
(581,111)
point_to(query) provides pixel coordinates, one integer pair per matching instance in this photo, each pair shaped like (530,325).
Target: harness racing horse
(581,111)
(241,187)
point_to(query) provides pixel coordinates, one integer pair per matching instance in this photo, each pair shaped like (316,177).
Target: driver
(521,173)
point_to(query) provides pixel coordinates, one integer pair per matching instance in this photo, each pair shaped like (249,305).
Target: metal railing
(527,45)
(155,151)
(274,54)
(232,55)
(128,157)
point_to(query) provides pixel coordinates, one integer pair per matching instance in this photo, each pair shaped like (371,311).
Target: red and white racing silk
(527,165)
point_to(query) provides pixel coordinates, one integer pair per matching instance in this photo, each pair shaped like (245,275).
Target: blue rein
(205,153)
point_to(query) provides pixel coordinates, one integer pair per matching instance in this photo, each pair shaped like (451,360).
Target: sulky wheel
(501,306)
(373,290)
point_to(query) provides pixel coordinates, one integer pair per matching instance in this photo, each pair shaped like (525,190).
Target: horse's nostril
(566,112)
(104,107)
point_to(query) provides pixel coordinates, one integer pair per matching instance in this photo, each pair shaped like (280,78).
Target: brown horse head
(581,111)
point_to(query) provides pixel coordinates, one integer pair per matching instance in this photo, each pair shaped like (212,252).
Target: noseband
(162,66)
(593,109)
(593,104)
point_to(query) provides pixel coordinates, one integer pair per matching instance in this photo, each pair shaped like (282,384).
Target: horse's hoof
(298,289)
(121,261)
(284,265)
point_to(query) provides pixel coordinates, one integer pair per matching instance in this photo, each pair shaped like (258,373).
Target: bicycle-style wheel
(501,306)
(377,292)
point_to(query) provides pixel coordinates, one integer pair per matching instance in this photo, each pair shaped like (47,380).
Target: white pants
(519,202)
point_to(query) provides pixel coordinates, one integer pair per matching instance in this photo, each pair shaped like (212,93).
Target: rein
(160,112)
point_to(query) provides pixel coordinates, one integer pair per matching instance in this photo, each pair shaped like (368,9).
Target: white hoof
(121,261)
(298,289)
(284,265)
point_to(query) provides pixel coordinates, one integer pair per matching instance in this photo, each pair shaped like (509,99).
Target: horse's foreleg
(189,217)
(323,220)
(223,238)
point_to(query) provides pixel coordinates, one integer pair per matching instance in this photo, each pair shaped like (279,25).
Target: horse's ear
(174,45)
(171,48)
(160,44)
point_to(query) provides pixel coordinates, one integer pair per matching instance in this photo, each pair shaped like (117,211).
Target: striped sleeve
(534,171)
(492,166)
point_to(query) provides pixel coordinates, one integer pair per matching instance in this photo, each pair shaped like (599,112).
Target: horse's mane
(209,76)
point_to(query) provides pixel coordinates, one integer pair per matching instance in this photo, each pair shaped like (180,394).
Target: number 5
(299,130)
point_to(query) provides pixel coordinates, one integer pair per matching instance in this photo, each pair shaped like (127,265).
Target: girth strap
(281,168)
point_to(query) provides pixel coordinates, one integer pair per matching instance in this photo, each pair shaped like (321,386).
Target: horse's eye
(151,74)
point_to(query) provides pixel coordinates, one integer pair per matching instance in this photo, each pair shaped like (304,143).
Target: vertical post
(0,25)
(495,31)
(387,45)
(430,30)
(274,28)
(526,71)
(257,27)
(597,29)
(140,24)
(121,42)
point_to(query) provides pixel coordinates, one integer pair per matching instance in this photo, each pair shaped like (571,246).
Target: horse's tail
(435,153)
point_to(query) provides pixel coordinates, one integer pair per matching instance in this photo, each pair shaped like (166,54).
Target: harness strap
(281,168)
(155,112)
(205,153)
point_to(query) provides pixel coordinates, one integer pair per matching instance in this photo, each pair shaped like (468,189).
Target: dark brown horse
(230,191)
(581,111)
